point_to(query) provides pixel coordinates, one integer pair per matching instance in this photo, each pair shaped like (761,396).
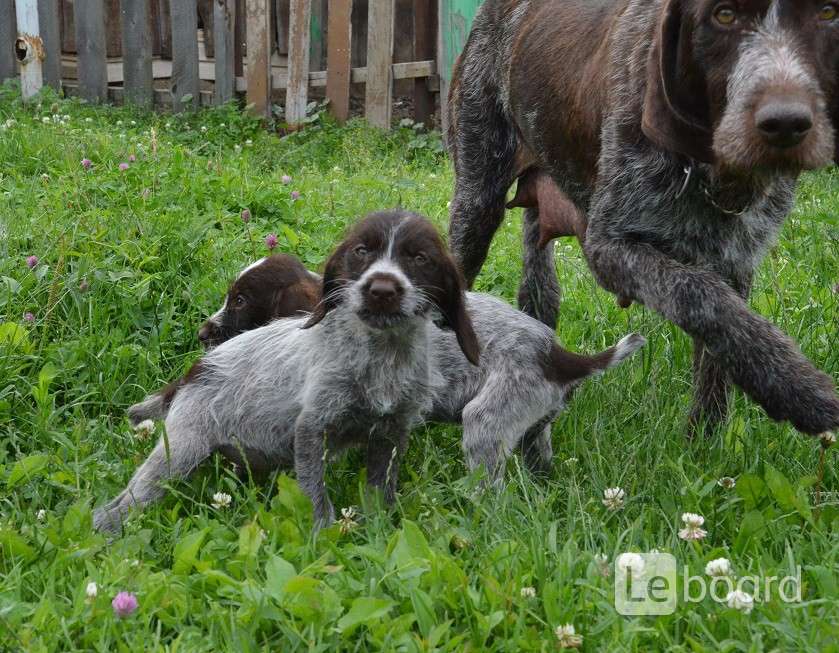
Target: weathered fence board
(338,58)
(318,28)
(49,23)
(297,93)
(379,89)
(89,18)
(29,48)
(8,33)
(136,48)
(224,26)
(185,81)
(425,23)
(258,73)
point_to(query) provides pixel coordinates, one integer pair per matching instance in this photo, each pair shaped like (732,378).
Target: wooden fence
(152,52)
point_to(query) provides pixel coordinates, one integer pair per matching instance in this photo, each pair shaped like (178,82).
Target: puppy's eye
(240,301)
(829,12)
(420,258)
(360,251)
(725,15)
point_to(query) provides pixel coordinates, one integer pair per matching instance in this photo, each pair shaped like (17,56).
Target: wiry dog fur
(357,372)
(520,362)
(677,140)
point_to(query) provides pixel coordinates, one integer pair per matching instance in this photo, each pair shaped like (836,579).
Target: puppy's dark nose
(384,289)
(205,333)
(784,124)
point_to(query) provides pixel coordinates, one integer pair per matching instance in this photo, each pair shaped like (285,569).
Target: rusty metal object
(29,48)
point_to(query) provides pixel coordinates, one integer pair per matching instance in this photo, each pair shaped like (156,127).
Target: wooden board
(379,91)
(89,20)
(224,25)
(136,47)
(185,83)
(28,48)
(113,27)
(425,23)
(258,73)
(339,55)
(8,33)
(49,23)
(318,30)
(297,93)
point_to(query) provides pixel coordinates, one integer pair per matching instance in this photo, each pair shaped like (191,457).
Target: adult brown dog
(670,134)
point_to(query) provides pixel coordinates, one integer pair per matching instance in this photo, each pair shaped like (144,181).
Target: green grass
(129,265)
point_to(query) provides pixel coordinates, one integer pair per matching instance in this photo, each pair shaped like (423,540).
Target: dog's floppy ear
(331,286)
(675,113)
(452,305)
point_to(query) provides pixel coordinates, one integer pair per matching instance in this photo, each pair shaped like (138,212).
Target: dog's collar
(709,192)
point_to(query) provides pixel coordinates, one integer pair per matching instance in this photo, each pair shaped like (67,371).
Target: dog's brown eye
(240,301)
(725,15)
(420,258)
(829,12)
(360,251)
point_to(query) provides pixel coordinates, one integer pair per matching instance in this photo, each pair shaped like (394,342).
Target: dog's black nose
(205,333)
(384,289)
(784,124)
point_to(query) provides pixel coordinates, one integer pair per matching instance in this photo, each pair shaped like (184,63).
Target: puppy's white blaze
(392,239)
(251,267)
(410,300)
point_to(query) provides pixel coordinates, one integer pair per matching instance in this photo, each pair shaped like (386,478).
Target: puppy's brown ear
(297,297)
(676,108)
(452,305)
(331,287)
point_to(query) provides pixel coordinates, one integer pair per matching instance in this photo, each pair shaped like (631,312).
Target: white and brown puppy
(524,380)
(359,371)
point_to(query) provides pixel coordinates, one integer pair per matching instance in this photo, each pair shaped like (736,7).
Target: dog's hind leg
(185,453)
(537,449)
(539,293)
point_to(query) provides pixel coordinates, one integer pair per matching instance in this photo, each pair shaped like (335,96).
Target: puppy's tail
(566,367)
(152,407)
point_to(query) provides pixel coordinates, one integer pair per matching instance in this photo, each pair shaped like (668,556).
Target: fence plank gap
(185,82)
(425,21)
(89,17)
(49,23)
(224,26)
(339,58)
(136,52)
(258,73)
(379,91)
(297,93)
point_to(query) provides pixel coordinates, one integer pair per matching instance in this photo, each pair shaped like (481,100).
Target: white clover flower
(528,592)
(633,563)
(41,515)
(88,119)
(740,600)
(572,461)
(718,568)
(144,429)
(693,527)
(221,500)
(602,562)
(828,439)
(727,482)
(168,125)
(613,498)
(119,123)
(248,142)
(568,637)
(237,148)
(203,128)
(347,521)
(45,120)
(91,590)
(132,122)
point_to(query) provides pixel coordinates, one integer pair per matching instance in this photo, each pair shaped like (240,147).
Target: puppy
(358,371)
(524,380)
(272,287)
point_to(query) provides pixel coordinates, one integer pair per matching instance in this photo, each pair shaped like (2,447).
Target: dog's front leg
(386,445)
(759,358)
(309,464)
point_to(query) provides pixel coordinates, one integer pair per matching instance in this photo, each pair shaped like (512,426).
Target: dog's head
(391,267)
(746,84)
(273,287)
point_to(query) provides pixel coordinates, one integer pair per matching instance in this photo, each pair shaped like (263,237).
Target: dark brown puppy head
(273,287)
(392,266)
(746,84)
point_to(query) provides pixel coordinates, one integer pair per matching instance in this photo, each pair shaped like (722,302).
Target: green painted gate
(456,18)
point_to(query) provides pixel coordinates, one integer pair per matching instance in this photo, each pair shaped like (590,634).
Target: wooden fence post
(8,61)
(89,18)
(224,26)
(258,74)
(339,58)
(185,83)
(425,22)
(29,48)
(297,92)
(48,21)
(379,92)
(136,52)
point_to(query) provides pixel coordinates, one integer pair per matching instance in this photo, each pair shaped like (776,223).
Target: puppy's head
(273,287)
(392,267)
